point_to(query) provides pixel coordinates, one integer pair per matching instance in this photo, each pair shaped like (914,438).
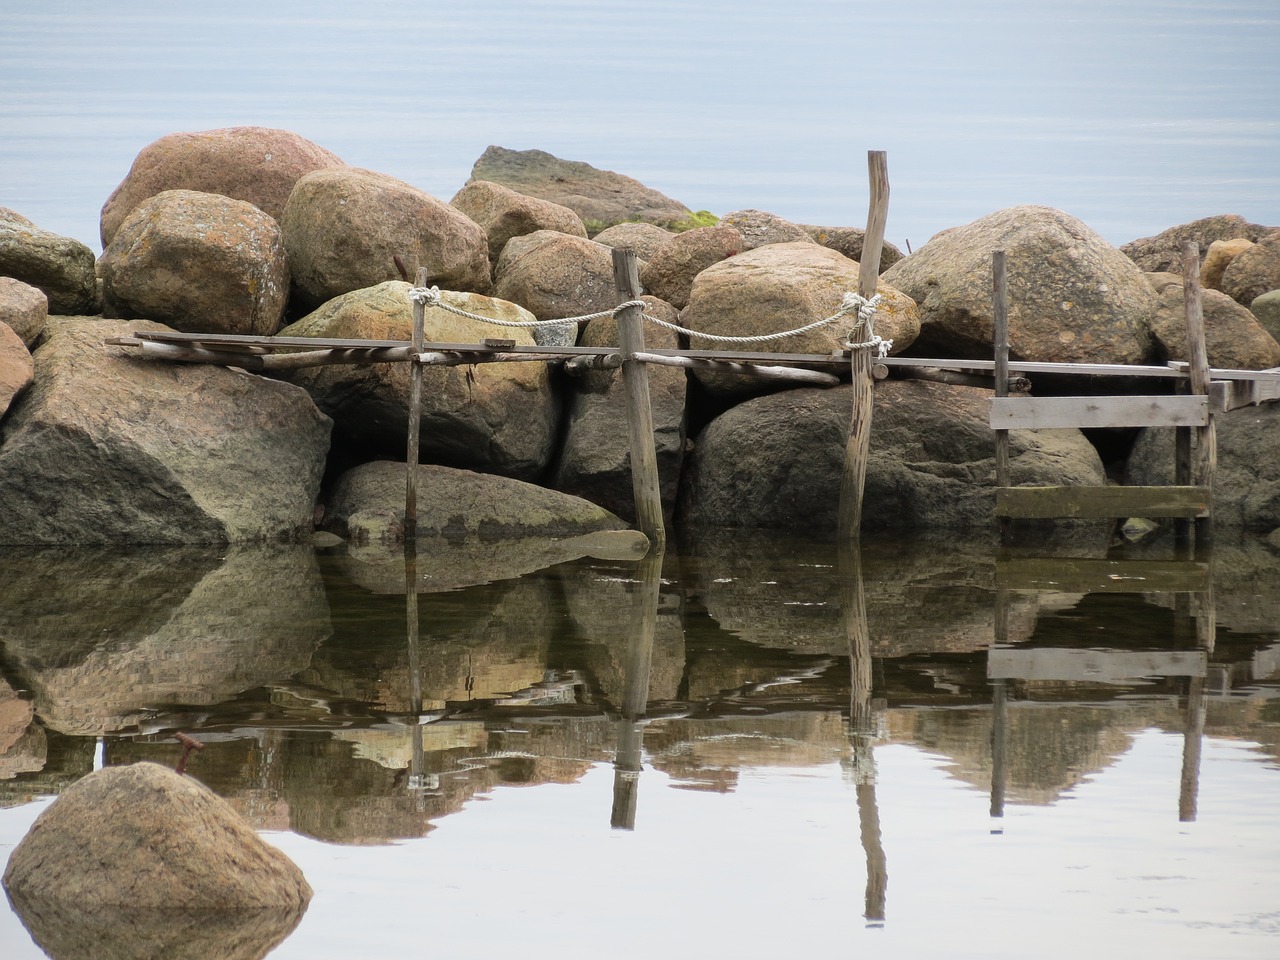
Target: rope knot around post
(865,307)
(428,296)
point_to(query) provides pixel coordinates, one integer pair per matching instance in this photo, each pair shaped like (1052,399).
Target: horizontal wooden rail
(1099,503)
(1093,575)
(1043,413)
(1097,666)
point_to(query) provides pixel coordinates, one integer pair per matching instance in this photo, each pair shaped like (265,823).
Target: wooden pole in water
(635,379)
(415,417)
(1206,453)
(854,475)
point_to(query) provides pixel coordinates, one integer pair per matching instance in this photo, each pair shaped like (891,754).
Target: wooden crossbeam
(1099,503)
(1043,413)
(1092,575)
(1098,666)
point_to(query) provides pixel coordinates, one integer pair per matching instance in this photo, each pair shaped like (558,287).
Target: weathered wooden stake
(415,418)
(635,379)
(1000,313)
(1206,452)
(854,475)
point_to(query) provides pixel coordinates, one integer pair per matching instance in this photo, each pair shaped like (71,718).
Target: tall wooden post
(854,475)
(415,418)
(1205,463)
(635,379)
(1000,313)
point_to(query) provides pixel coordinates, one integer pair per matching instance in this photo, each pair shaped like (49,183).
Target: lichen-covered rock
(1267,309)
(24,308)
(198,262)
(1234,339)
(144,837)
(600,197)
(848,240)
(785,286)
(505,214)
(60,267)
(1163,252)
(1254,271)
(496,417)
(595,460)
(259,165)
(759,227)
(776,461)
(669,273)
(645,239)
(1073,298)
(344,227)
(104,448)
(554,275)
(367,505)
(16,367)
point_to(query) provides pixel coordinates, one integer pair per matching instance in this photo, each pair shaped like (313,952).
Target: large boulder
(849,240)
(62,268)
(776,461)
(259,165)
(103,448)
(645,239)
(1254,271)
(595,459)
(668,274)
(505,214)
(497,417)
(198,262)
(1217,258)
(367,505)
(780,287)
(344,228)
(1234,339)
(600,197)
(1246,489)
(1073,298)
(16,367)
(143,837)
(1163,252)
(554,275)
(24,308)
(759,227)
(1267,309)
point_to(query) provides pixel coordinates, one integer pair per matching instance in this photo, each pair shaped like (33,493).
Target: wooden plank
(1233,394)
(1044,413)
(1092,575)
(1094,666)
(794,374)
(1097,503)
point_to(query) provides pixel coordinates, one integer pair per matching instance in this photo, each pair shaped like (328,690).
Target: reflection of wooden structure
(635,702)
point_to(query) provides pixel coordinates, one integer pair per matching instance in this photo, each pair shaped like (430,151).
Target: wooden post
(1000,313)
(1206,453)
(635,695)
(854,475)
(635,379)
(415,418)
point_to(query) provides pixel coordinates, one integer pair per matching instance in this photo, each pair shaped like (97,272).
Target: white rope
(852,303)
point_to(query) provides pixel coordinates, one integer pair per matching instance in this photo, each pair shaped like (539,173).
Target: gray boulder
(554,275)
(595,460)
(1234,339)
(1163,252)
(24,308)
(1073,297)
(259,165)
(759,227)
(344,227)
(1246,491)
(1267,309)
(848,240)
(644,238)
(16,367)
(366,505)
(1254,271)
(60,267)
(103,448)
(600,197)
(785,286)
(143,837)
(668,274)
(198,262)
(505,214)
(496,417)
(776,461)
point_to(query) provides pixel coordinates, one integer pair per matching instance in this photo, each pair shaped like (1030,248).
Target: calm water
(742,756)
(1133,115)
